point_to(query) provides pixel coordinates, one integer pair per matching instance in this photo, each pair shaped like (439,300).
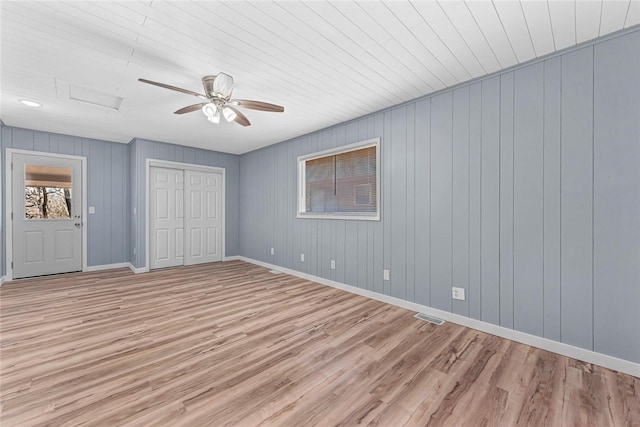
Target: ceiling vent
(66,90)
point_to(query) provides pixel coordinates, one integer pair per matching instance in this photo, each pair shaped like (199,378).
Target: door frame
(8,203)
(183,166)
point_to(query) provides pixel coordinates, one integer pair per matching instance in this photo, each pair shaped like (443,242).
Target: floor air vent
(429,319)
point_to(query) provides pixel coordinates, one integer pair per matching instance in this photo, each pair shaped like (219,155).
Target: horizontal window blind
(342,182)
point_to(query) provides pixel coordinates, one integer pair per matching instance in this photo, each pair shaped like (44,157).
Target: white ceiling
(325,61)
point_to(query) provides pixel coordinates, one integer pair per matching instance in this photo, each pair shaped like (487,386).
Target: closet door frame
(185,167)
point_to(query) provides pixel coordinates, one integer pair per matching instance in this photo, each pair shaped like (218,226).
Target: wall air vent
(429,319)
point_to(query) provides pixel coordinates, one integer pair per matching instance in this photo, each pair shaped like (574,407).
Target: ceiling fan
(217,89)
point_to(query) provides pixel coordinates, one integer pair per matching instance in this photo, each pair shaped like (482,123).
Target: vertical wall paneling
(132,204)
(287,204)
(422,201)
(5,141)
(387,174)
(297,236)
(41,141)
(303,145)
(249,185)
(490,201)
(441,191)
(22,139)
(313,226)
(279,196)
(376,128)
(527,215)
(364,230)
(617,197)
(577,198)
(340,225)
(398,197)
(506,199)
(551,203)
(460,197)
(98,235)
(475,179)
(351,254)
(116,200)
(66,144)
(269,224)
(107,162)
(410,206)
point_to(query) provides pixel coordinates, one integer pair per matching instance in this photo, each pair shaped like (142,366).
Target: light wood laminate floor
(232,344)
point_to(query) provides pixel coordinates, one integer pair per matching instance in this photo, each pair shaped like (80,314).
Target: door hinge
(12,265)
(12,216)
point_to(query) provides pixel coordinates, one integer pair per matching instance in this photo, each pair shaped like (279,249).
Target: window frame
(362,216)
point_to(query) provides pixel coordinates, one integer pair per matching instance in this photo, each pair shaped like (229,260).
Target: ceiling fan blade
(258,105)
(166,86)
(190,108)
(240,118)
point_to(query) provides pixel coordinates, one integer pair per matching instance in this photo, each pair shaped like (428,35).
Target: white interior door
(46,215)
(166,202)
(203,217)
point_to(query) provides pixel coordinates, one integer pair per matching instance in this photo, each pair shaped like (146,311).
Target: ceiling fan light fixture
(229,114)
(209,110)
(215,118)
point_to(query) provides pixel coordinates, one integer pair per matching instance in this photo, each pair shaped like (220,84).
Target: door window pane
(47,192)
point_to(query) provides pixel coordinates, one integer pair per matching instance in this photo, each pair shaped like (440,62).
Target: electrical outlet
(272,251)
(385,274)
(302,257)
(333,265)
(457,293)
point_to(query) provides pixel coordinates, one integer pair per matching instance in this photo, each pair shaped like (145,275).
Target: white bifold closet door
(202,217)
(185,217)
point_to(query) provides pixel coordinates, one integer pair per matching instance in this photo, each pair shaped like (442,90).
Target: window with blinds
(342,183)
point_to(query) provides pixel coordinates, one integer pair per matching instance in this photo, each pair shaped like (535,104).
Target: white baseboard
(107,266)
(588,356)
(137,270)
(233,258)
(1,280)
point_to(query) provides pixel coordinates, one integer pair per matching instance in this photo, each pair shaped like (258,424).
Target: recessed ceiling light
(29,103)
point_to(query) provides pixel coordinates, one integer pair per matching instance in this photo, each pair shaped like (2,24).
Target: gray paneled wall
(522,188)
(116,179)
(107,188)
(616,197)
(140,150)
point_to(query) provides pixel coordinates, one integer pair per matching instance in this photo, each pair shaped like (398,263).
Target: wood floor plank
(232,344)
